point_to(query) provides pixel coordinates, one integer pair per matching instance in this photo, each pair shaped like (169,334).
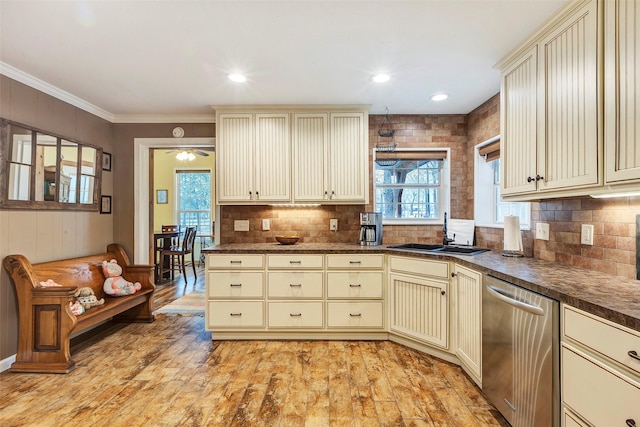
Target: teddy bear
(76,308)
(114,283)
(87,298)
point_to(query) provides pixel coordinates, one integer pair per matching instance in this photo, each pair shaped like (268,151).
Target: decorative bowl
(287,240)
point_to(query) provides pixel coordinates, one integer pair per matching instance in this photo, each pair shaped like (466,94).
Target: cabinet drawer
(420,266)
(569,419)
(355,261)
(355,314)
(235,284)
(295,314)
(229,261)
(601,396)
(295,284)
(235,314)
(604,337)
(295,261)
(354,284)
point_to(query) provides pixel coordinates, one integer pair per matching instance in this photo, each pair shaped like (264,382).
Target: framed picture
(105,205)
(106,161)
(161,196)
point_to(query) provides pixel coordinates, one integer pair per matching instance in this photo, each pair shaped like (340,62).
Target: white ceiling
(131,60)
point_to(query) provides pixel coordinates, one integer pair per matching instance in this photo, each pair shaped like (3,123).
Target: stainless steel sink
(455,250)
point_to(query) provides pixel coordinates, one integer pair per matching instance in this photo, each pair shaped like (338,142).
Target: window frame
(444,189)
(177,192)
(481,193)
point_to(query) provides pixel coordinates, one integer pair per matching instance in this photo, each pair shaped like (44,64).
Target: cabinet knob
(295,314)
(453,274)
(633,354)
(529,179)
(442,292)
(631,422)
(257,195)
(539,178)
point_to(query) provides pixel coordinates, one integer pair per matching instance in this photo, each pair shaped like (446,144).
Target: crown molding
(62,95)
(49,89)
(164,118)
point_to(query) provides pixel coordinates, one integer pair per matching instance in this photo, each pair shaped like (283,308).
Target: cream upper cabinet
(551,126)
(253,158)
(622,91)
(331,161)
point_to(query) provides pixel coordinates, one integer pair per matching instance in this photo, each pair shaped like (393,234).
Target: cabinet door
(468,289)
(234,157)
(310,147)
(518,143)
(419,309)
(569,141)
(272,158)
(348,159)
(622,91)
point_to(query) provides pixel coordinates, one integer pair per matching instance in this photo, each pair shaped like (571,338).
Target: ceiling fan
(189,153)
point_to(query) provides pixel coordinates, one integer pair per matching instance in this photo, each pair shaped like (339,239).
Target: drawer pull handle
(355,286)
(236,262)
(295,262)
(295,285)
(235,314)
(634,354)
(355,314)
(355,262)
(235,285)
(631,422)
(295,314)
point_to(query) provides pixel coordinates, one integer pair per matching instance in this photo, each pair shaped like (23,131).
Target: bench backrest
(80,272)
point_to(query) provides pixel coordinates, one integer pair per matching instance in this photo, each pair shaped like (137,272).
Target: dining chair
(177,255)
(170,229)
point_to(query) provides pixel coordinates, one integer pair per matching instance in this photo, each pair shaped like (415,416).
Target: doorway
(143,223)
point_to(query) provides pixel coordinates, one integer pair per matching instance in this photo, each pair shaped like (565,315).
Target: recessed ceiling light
(380,78)
(439,97)
(238,78)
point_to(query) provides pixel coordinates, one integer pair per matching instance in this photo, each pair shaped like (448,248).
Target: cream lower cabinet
(295,291)
(355,291)
(467,288)
(235,292)
(419,300)
(600,371)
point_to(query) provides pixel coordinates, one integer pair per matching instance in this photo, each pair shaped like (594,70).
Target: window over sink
(411,186)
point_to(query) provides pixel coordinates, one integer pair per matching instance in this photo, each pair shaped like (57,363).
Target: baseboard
(6,363)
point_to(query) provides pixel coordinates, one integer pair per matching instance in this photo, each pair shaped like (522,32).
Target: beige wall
(43,235)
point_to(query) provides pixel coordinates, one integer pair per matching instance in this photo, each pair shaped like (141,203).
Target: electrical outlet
(542,231)
(333,224)
(586,234)
(266,225)
(241,225)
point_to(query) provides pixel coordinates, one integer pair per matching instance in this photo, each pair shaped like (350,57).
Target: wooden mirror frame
(36,173)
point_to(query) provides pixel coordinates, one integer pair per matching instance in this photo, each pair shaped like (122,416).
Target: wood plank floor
(170,373)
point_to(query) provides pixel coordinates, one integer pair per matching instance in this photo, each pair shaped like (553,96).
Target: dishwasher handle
(529,308)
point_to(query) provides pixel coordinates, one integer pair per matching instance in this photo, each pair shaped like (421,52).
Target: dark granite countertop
(611,297)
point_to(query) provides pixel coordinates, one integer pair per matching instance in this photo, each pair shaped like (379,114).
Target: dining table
(162,240)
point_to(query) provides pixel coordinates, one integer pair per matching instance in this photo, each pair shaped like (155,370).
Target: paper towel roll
(512,235)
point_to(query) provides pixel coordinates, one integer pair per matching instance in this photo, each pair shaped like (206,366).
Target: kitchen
(613,251)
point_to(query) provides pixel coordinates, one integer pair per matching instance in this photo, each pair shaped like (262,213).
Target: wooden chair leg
(193,264)
(184,270)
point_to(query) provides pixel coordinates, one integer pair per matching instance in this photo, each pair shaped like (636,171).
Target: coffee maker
(370,228)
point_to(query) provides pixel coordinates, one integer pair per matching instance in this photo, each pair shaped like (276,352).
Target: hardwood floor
(170,373)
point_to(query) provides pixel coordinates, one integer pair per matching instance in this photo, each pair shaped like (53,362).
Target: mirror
(47,171)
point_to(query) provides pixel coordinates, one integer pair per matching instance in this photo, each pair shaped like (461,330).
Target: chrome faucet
(446,240)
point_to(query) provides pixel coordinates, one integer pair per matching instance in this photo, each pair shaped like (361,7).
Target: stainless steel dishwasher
(520,353)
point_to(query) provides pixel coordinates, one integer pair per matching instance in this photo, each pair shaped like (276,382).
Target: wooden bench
(46,322)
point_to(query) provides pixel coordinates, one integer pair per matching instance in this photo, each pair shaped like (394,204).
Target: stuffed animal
(76,308)
(114,283)
(87,298)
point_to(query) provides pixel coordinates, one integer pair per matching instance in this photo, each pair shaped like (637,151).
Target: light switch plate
(333,224)
(241,225)
(266,224)
(586,234)
(542,231)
